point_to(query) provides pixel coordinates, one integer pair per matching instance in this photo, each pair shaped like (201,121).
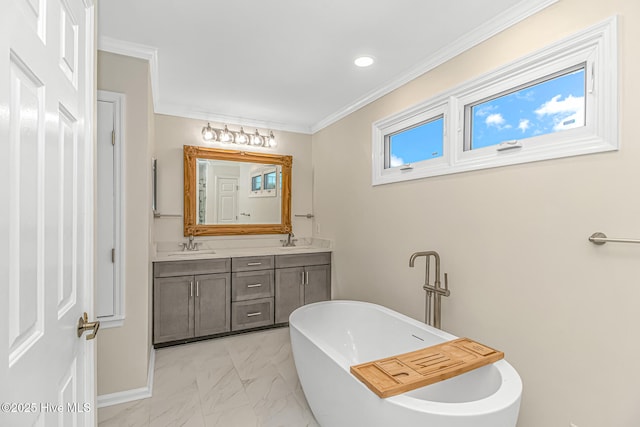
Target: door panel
(106,241)
(46,183)
(173,308)
(318,283)
(213,302)
(227,200)
(289,292)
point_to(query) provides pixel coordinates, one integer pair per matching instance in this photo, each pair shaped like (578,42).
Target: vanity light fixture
(209,133)
(241,138)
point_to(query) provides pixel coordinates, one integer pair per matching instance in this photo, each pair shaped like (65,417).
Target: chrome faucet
(436,290)
(191,246)
(289,241)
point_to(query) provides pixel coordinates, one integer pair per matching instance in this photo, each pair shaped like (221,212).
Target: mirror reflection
(231,192)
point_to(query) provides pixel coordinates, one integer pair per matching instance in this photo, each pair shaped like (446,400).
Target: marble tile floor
(243,380)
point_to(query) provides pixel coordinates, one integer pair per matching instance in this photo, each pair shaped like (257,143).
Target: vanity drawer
(251,263)
(247,285)
(184,268)
(251,314)
(301,260)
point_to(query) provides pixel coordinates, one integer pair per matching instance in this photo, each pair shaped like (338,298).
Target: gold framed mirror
(230,192)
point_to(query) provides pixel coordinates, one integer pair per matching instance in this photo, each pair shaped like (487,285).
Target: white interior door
(46,209)
(227,200)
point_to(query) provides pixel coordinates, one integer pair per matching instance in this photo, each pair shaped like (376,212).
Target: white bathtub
(328,337)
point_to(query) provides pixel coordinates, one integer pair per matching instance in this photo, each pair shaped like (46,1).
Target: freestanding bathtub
(328,337)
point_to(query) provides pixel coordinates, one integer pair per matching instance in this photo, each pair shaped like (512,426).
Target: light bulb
(208,133)
(272,140)
(225,135)
(241,137)
(256,138)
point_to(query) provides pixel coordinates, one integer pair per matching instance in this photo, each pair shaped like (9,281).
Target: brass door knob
(85,325)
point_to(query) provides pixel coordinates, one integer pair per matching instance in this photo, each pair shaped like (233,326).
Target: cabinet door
(172,308)
(289,292)
(212,304)
(318,283)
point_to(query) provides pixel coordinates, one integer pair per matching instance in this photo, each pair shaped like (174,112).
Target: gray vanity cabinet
(301,279)
(200,298)
(191,306)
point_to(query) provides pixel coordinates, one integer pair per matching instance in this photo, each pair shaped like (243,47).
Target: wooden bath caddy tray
(405,372)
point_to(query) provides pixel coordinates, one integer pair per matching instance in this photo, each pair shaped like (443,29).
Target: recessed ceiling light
(363,61)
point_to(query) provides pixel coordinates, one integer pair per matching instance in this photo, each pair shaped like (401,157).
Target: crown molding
(499,23)
(136,50)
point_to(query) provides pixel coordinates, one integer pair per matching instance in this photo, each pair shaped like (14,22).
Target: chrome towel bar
(601,238)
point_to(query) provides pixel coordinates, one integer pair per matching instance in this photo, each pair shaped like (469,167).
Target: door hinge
(113,255)
(113,137)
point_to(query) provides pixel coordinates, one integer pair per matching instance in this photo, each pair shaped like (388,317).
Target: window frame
(595,47)
(382,130)
(254,179)
(262,173)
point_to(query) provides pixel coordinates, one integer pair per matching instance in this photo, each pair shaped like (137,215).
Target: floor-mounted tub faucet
(435,289)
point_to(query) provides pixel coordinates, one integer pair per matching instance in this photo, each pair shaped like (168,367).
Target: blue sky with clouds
(546,107)
(417,144)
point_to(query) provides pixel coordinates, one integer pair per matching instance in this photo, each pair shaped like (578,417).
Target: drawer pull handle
(257,313)
(250,264)
(257,285)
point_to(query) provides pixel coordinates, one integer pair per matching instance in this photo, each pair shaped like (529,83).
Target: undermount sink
(192,253)
(291,248)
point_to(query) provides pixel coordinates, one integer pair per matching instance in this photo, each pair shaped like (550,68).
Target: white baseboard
(131,395)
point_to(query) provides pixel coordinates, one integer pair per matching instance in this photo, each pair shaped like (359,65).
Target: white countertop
(209,251)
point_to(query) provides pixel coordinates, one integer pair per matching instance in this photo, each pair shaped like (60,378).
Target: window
(270,180)
(415,144)
(554,104)
(264,181)
(256,183)
(558,102)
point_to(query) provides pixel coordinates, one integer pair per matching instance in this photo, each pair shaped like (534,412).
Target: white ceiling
(288,64)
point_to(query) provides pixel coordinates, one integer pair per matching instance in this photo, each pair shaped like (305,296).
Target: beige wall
(123,353)
(523,276)
(172,133)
